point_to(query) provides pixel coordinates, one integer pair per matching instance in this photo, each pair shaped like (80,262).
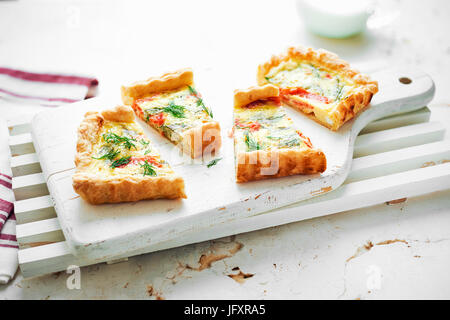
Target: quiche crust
(121,188)
(257,165)
(195,141)
(348,107)
(167,81)
(243,97)
(274,163)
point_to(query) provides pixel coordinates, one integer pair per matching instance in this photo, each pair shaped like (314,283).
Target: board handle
(400,90)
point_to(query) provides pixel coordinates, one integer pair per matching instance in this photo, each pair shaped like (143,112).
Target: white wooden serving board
(397,167)
(105,231)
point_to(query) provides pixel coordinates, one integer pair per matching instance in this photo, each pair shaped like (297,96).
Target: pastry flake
(266,143)
(172,105)
(319,84)
(115,162)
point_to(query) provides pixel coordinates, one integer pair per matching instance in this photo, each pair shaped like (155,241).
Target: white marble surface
(387,251)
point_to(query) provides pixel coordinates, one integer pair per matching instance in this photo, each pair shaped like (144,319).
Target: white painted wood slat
(400,120)
(392,170)
(348,197)
(392,139)
(25,164)
(34,209)
(399,160)
(21,144)
(29,186)
(39,232)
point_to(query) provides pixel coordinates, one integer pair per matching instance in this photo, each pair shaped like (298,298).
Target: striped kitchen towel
(28,88)
(43,88)
(8,243)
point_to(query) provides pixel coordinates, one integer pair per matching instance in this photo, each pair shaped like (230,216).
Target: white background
(119,41)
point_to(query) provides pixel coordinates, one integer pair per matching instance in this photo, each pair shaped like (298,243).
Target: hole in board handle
(405,80)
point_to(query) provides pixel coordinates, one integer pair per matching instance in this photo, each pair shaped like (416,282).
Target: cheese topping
(315,85)
(122,149)
(174,112)
(264,125)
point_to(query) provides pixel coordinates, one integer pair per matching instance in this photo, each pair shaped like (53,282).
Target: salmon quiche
(115,162)
(266,143)
(172,105)
(319,84)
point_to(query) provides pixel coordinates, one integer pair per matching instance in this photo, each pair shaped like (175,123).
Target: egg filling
(174,112)
(122,149)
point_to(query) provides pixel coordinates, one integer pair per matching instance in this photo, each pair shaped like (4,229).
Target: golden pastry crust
(263,164)
(243,97)
(95,189)
(202,140)
(166,82)
(348,107)
(197,141)
(257,165)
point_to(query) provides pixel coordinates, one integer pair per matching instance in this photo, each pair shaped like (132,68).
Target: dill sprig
(339,91)
(213,162)
(200,101)
(116,139)
(120,162)
(251,143)
(176,110)
(148,169)
(109,155)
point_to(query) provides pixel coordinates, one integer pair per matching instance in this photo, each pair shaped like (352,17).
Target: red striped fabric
(6,184)
(4,245)
(6,205)
(61,89)
(45,77)
(10,237)
(5,175)
(44,88)
(36,97)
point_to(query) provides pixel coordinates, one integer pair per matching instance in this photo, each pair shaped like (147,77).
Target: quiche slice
(319,84)
(172,105)
(266,143)
(115,162)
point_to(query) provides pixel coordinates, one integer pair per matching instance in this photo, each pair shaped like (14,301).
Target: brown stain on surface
(428,164)
(240,277)
(321,191)
(396,201)
(383,243)
(369,245)
(153,293)
(206,260)
(36,244)
(361,250)
(217,251)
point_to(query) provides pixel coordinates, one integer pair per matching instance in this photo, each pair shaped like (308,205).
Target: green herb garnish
(251,143)
(213,162)
(116,139)
(176,110)
(315,71)
(339,91)
(144,143)
(120,162)
(148,169)
(110,155)
(200,102)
